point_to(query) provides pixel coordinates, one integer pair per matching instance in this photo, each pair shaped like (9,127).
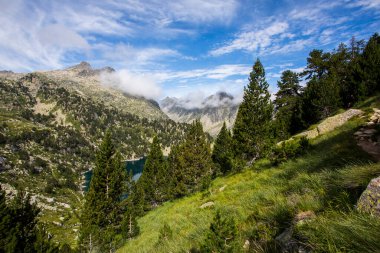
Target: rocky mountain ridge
(87,81)
(212,111)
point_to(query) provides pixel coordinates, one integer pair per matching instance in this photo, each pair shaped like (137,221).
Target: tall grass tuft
(342,232)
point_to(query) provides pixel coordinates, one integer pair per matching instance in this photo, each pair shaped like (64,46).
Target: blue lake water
(136,166)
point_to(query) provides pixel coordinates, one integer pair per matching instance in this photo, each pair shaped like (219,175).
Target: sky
(178,47)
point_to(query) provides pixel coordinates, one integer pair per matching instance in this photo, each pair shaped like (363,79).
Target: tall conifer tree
(252,129)
(154,177)
(102,211)
(222,154)
(288,97)
(190,163)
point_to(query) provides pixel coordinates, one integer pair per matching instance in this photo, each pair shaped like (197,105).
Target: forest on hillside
(335,80)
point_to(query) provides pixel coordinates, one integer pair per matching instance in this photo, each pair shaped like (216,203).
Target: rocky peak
(85,69)
(82,66)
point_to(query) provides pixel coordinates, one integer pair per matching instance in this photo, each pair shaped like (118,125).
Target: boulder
(207,204)
(303,217)
(222,188)
(369,201)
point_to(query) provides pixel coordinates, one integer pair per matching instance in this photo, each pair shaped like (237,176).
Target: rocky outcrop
(286,240)
(331,123)
(369,201)
(368,137)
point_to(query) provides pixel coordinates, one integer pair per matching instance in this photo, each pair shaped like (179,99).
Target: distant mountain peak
(81,66)
(85,69)
(212,110)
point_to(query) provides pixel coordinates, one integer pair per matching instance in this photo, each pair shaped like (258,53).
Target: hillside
(306,203)
(48,136)
(212,112)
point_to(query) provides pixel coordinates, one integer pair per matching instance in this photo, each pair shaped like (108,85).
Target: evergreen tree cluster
(20,230)
(337,79)
(188,168)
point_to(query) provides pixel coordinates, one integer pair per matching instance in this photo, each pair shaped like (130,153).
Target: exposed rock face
(86,80)
(369,201)
(331,123)
(212,112)
(368,137)
(84,69)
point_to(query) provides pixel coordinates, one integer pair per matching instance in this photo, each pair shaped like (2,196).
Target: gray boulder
(369,201)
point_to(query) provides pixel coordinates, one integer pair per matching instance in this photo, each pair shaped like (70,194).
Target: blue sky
(177,47)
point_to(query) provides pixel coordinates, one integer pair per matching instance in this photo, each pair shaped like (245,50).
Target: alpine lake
(136,166)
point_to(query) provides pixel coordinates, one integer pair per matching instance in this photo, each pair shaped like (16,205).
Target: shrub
(289,150)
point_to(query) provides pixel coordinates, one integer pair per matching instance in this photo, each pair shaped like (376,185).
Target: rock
(370,124)
(338,120)
(222,188)
(246,244)
(370,131)
(374,118)
(208,204)
(2,163)
(59,224)
(331,123)
(303,217)
(369,201)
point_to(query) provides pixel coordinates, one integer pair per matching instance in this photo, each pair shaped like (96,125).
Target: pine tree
(222,236)
(6,226)
(154,177)
(370,64)
(252,130)
(129,225)
(190,163)
(222,154)
(133,208)
(287,99)
(102,211)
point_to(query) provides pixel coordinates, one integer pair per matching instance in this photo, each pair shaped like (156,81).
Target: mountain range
(211,111)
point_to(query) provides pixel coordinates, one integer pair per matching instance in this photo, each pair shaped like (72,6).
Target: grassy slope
(264,199)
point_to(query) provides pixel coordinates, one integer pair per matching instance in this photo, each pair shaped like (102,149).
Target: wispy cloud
(132,83)
(253,40)
(217,73)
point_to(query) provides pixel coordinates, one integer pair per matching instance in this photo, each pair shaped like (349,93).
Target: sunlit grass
(333,173)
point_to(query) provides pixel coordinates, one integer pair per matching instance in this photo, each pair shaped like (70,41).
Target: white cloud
(132,83)
(163,13)
(367,4)
(132,57)
(217,73)
(252,41)
(27,43)
(60,36)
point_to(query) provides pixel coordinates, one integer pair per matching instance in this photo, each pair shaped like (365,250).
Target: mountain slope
(49,134)
(85,80)
(266,200)
(212,112)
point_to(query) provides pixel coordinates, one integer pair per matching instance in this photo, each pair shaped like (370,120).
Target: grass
(264,199)
(342,232)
